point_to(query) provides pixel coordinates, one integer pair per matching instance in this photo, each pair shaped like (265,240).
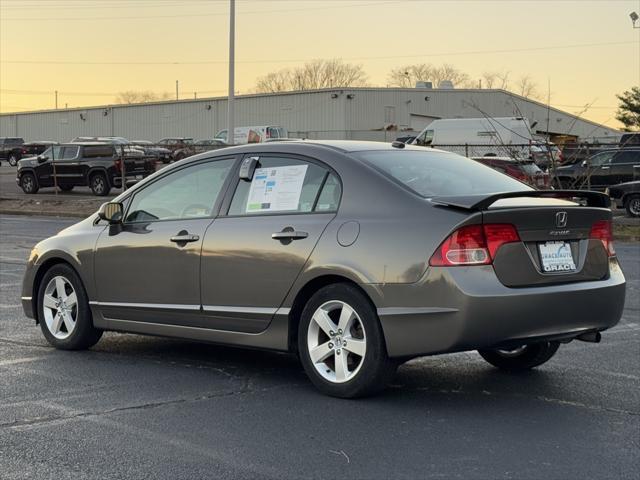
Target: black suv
(11,149)
(602,170)
(97,165)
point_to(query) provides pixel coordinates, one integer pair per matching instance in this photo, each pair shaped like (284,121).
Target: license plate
(556,257)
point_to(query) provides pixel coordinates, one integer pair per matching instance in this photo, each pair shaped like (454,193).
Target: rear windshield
(432,174)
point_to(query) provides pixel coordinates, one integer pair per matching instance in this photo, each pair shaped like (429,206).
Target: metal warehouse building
(349,113)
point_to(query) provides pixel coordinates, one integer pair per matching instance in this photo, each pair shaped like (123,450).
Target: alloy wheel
(60,307)
(634,206)
(336,341)
(98,184)
(27,183)
(13,161)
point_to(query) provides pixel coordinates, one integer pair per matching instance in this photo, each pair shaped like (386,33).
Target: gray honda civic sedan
(356,256)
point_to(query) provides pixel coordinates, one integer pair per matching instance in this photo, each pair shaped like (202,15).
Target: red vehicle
(524,170)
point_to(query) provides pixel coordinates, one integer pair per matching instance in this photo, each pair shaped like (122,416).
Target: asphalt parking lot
(144,407)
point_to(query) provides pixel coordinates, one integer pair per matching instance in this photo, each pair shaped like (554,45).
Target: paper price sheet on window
(276,189)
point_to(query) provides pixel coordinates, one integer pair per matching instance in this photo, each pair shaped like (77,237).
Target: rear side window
(530,168)
(13,141)
(283,185)
(96,151)
(432,174)
(627,157)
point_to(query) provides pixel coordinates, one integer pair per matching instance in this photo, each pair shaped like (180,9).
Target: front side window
(187,193)
(69,153)
(53,153)
(601,158)
(282,185)
(436,173)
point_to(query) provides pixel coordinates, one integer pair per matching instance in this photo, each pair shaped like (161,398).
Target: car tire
(63,310)
(632,205)
(65,188)
(358,374)
(522,358)
(28,183)
(13,160)
(99,185)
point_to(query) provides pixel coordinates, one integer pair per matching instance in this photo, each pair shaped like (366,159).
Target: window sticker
(276,189)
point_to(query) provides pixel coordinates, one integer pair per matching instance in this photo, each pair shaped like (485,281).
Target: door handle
(605,168)
(289,234)
(184,238)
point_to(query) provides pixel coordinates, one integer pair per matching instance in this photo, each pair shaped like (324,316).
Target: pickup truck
(92,164)
(11,149)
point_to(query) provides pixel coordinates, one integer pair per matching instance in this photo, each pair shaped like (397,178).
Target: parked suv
(11,149)
(601,170)
(92,164)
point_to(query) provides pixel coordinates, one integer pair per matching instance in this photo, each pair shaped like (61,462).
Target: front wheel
(63,310)
(341,344)
(632,205)
(28,183)
(99,185)
(521,358)
(13,160)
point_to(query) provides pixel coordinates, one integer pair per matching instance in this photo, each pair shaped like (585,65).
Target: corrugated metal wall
(337,114)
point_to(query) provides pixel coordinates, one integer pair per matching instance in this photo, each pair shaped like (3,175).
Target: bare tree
(313,75)
(496,79)
(141,96)
(407,75)
(527,87)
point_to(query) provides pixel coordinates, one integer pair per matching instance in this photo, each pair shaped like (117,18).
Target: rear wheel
(28,183)
(521,358)
(632,205)
(63,310)
(13,160)
(99,185)
(341,344)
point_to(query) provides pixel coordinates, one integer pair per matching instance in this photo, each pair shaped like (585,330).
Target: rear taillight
(473,245)
(118,164)
(602,230)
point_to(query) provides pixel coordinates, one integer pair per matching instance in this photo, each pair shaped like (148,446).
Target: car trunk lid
(556,233)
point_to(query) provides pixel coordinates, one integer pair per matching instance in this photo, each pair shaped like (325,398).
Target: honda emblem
(561,219)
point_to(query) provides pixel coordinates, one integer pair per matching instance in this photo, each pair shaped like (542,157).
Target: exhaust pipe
(592,337)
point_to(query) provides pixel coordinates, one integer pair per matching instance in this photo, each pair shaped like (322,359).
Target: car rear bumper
(457,309)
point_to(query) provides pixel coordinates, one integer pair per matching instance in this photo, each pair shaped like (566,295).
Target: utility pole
(176,89)
(232,46)
(56,99)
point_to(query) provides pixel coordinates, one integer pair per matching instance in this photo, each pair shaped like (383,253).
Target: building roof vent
(445,84)
(421,84)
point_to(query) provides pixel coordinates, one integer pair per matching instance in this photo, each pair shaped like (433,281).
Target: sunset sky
(89,50)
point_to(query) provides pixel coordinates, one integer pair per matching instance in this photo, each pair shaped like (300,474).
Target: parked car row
(97,165)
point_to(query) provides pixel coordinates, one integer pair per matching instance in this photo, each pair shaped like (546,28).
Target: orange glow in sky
(89,50)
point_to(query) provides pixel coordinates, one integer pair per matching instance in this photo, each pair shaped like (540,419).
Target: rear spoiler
(484,201)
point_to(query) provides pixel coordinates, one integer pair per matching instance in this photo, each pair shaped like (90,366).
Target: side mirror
(42,158)
(247,168)
(584,163)
(111,212)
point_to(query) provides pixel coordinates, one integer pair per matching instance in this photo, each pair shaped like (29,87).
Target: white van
(478,136)
(255,134)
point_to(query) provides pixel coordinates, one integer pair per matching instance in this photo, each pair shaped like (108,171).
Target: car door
(597,172)
(66,166)
(148,268)
(252,255)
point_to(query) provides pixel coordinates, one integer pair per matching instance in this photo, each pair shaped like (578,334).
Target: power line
(214,62)
(254,12)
